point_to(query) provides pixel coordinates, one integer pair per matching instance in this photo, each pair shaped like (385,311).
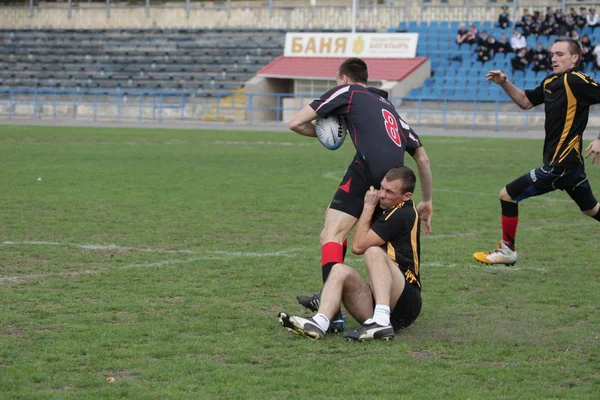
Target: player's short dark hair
(405,174)
(574,46)
(355,69)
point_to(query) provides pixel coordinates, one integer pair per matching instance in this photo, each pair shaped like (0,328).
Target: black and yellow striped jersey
(567,98)
(400,229)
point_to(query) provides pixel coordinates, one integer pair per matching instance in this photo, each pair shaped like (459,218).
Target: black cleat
(371,330)
(301,326)
(312,302)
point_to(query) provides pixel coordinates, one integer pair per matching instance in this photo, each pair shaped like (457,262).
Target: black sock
(326,269)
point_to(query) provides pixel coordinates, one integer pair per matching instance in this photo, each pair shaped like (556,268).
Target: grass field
(151,264)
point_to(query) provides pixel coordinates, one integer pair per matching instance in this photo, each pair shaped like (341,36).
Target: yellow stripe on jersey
(573,145)
(585,78)
(413,241)
(547,81)
(396,207)
(391,252)
(570,117)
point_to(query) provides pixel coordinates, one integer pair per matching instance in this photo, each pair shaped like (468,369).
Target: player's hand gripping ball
(331,131)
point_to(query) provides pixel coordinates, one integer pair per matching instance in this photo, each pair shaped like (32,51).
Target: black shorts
(350,196)
(408,307)
(546,179)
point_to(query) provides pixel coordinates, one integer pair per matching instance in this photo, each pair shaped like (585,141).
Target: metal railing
(137,105)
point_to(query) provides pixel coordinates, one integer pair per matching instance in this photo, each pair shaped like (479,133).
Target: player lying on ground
(391,248)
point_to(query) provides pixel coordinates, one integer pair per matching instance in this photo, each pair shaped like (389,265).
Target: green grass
(160,258)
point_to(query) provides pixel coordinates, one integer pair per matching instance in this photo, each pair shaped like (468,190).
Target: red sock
(331,254)
(509,230)
(510,220)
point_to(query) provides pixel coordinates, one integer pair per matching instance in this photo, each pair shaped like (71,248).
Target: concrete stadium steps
(230,108)
(193,61)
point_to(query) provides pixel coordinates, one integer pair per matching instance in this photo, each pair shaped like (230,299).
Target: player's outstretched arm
(425,206)
(516,94)
(593,150)
(301,122)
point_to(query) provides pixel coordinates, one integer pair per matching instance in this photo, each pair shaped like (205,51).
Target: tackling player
(381,138)
(391,246)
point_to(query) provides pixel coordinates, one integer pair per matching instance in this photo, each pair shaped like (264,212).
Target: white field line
(282,253)
(439,264)
(95,247)
(217,255)
(222,255)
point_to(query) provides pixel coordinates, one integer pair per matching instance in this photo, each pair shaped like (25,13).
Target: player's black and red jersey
(379,135)
(399,227)
(567,97)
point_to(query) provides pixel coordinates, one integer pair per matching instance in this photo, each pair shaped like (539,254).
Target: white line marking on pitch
(95,247)
(438,264)
(223,255)
(282,253)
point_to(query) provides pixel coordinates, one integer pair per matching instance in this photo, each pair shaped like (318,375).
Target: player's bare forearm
(424,168)
(301,122)
(515,94)
(305,129)
(363,226)
(425,207)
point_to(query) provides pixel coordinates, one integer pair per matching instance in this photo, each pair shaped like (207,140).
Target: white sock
(322,321)
(381,315)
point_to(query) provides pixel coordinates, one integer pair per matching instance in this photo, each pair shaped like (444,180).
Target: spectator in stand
(581,19)
(596,54)
(540,58)
(462,34)
(485,50)
(592,19)
(567,26)
(559,16)
(586,50)
(572,13)
(502,45)
(521,60)
(517,41)
(549,13)
(521,23)
(482,38)
(549,27)
(472,35)
(574,34)
(504,19)
(528,25)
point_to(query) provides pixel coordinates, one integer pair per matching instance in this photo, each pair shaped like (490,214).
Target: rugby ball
(331,131)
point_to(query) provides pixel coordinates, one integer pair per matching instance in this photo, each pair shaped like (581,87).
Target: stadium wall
(207,15)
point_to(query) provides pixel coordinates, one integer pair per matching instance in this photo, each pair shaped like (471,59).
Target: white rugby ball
(331,131)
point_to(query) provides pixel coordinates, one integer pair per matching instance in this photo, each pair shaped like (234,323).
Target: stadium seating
(456,73)
(199,62)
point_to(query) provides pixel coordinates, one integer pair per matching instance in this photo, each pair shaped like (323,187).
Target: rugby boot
(502,255)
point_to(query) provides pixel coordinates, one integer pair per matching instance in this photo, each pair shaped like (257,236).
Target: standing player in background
(567,95)
(381,138)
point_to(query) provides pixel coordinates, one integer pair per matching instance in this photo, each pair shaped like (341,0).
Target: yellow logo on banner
(358,46)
